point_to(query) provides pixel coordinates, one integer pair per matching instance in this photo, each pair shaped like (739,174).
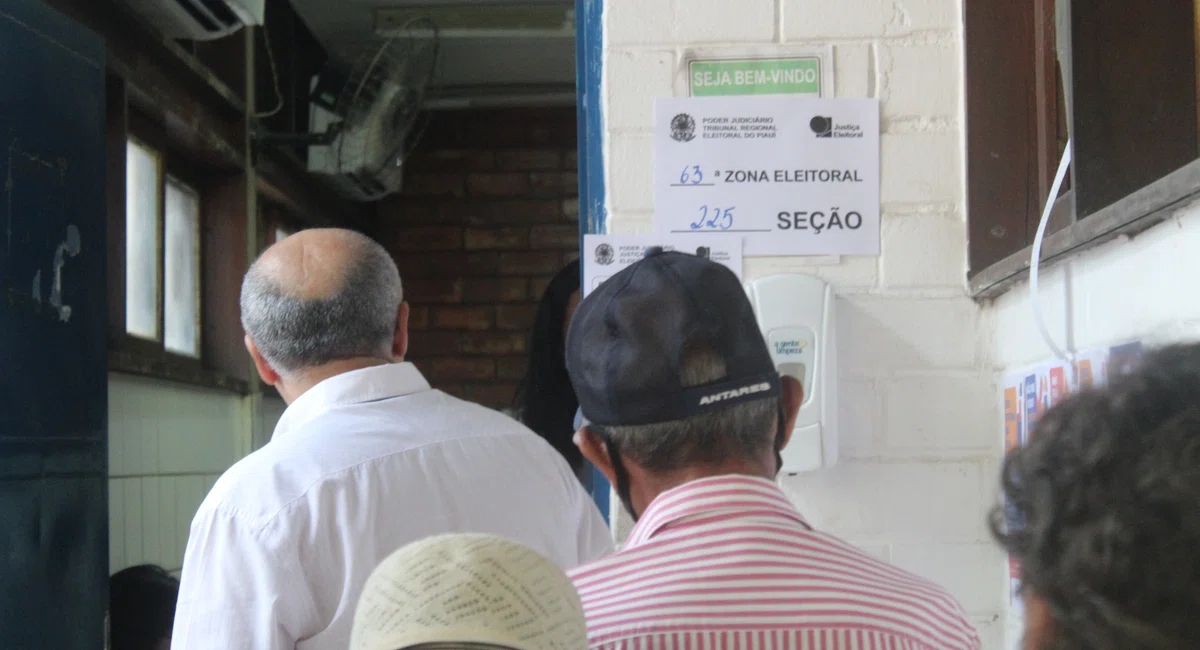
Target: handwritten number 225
(714,218)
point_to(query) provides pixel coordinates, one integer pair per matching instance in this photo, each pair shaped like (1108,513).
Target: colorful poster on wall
(1031,401)
(1091,368)
(1012,440)
(1029,393)
(1058,384)
(1122,359)
(1084,374)
(1012,418)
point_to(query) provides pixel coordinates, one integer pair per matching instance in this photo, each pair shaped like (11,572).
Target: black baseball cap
(628,337)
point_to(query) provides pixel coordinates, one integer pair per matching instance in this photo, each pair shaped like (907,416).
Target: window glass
(181,299)
(142,178)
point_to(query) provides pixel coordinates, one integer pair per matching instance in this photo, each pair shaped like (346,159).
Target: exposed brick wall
(488,215)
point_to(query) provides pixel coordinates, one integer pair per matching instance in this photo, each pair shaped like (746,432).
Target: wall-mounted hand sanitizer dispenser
(796,314)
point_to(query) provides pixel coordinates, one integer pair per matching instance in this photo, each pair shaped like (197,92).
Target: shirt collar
(730,493)
(355,387)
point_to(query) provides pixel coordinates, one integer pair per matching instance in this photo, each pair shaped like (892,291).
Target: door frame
(593,215)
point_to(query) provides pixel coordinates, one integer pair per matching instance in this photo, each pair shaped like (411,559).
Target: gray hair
(741,432)
(358,320)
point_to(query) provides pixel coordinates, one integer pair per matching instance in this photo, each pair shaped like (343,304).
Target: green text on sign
(799,76)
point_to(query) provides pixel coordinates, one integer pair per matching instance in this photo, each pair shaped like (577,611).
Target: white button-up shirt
(358,466)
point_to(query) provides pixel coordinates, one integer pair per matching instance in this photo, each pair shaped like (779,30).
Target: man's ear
(268,374)
(594,449)
(791,396)
(400,340)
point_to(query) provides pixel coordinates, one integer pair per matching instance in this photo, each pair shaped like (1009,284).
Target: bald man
(366,458)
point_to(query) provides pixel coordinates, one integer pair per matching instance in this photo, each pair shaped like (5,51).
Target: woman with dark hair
(545,401)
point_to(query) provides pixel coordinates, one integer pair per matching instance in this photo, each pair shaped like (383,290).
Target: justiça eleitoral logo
(822,126)
(683,128)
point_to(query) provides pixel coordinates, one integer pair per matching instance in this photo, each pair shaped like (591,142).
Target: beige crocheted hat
(468,589)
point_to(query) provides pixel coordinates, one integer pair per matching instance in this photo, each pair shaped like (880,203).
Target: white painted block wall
(1126,290)
(920,443)
(168,444)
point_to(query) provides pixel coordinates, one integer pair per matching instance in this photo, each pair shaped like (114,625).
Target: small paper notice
(605,255)
(793,175)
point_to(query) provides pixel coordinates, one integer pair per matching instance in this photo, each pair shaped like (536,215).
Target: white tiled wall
(920,448)
(168,444)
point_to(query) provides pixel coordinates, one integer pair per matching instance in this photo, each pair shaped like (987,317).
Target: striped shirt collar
(747,495)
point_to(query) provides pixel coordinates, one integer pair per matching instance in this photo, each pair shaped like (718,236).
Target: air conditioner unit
(198,20)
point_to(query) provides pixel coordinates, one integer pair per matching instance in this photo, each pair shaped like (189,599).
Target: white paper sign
(606,255)
(793,175)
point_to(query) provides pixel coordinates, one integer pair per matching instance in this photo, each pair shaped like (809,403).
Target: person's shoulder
(596,574)
(456,407)
(254,490)
(902,580)
(913,592)
(468,419)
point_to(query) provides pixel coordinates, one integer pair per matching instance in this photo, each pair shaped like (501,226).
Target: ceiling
(473,70)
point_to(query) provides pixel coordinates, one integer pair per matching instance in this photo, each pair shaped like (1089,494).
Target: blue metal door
(53,375)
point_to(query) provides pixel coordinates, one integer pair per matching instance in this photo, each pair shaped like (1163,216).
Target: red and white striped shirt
(728,563)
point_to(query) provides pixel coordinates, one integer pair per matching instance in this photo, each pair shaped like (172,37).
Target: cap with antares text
(628,337)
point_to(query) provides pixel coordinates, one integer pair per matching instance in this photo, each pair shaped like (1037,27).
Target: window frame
(128,353)
(1012,42)
(152,137)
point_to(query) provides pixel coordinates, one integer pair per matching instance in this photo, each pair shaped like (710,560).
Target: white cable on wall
(1035,259)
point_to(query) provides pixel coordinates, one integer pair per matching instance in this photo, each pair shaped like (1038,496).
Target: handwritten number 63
(714,218)
(691,176)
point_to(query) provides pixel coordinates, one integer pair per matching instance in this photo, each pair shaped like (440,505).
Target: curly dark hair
(1103,510)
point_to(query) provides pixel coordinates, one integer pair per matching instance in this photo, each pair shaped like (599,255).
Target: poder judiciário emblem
(683,128)
(605,254)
